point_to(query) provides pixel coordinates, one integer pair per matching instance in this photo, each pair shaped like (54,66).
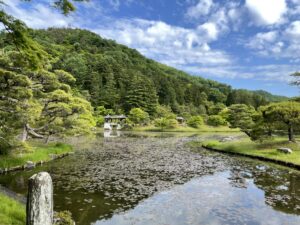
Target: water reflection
(206,200)
(111,133)
(108,180)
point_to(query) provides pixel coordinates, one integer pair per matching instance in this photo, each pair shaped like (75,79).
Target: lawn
(11,211)
(266,149)
(38,152)
(203,128)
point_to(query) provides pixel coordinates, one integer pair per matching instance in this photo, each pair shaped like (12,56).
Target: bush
(99,121)
(195,121)
(63,218)
(164,123)
(216,120)
(164,112)
(5,147)
(138,116)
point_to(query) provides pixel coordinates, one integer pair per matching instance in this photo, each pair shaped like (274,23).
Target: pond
(158,179)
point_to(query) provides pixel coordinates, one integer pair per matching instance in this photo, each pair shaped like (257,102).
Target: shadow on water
(133,178)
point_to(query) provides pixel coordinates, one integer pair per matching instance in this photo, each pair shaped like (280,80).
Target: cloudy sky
(253,44)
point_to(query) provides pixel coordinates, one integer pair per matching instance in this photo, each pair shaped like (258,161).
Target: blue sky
(252,44)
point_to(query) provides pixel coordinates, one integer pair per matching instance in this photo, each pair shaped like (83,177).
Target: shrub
(164,112)
(63,218)
(138,116)
(164,123)
(195,121)
(216,120)
(99,121)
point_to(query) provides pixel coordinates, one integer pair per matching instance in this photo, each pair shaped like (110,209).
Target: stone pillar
(39,210)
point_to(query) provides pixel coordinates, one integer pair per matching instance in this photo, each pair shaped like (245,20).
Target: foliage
(102,111)
(164,112)
(63,218)
(253,98)
(40,102)
(138,116)
(165,123)
(241,116)
(216,108)
(11,211)
(118,77)
(216,120)
(283,112)
(195,121)
(99,121)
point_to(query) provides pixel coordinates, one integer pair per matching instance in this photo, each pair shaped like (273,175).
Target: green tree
(141,94)
(284,112)
(216,120)
(164,111)
(241,116)
(195,121)
(138,116)
(164,123)
(44,101)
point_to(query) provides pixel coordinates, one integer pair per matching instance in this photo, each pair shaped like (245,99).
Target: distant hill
(270,97)
(119,77)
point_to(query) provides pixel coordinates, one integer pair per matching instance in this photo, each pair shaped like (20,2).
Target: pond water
(158,179)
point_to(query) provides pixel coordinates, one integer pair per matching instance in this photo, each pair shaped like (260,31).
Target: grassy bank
(203,128)
(11,211)
(38,152)
(264,150)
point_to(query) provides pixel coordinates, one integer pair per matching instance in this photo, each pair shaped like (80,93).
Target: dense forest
(120,78)
(64,81)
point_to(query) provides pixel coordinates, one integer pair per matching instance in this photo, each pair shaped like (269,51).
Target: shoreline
(261,158)
(40,155)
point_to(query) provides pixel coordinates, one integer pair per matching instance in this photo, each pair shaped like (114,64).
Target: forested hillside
(120,78)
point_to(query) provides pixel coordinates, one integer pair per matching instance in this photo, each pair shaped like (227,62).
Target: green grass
(203,128)
(11,211)
(266,149)
(39,152)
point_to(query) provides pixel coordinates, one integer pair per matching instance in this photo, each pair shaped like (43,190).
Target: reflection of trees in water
(238,177)
(281,187)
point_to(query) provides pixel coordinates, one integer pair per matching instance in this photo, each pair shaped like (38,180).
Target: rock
(39,209)
(52,156)
(285,150)
(29,165)
(16,168)
(227,139)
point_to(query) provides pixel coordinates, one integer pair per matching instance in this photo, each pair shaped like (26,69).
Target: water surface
(159,179)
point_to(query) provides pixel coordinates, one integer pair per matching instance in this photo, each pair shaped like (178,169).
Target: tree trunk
(291,132)
(32,132)
(24,134)
(47,139)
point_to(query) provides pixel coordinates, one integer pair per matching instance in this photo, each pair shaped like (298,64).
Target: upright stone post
(39,210)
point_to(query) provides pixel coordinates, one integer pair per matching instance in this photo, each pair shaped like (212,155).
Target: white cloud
(267,12)
(261,40)
(168,44)
(293,31)
(38,16)
(203,8)
(210,30)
